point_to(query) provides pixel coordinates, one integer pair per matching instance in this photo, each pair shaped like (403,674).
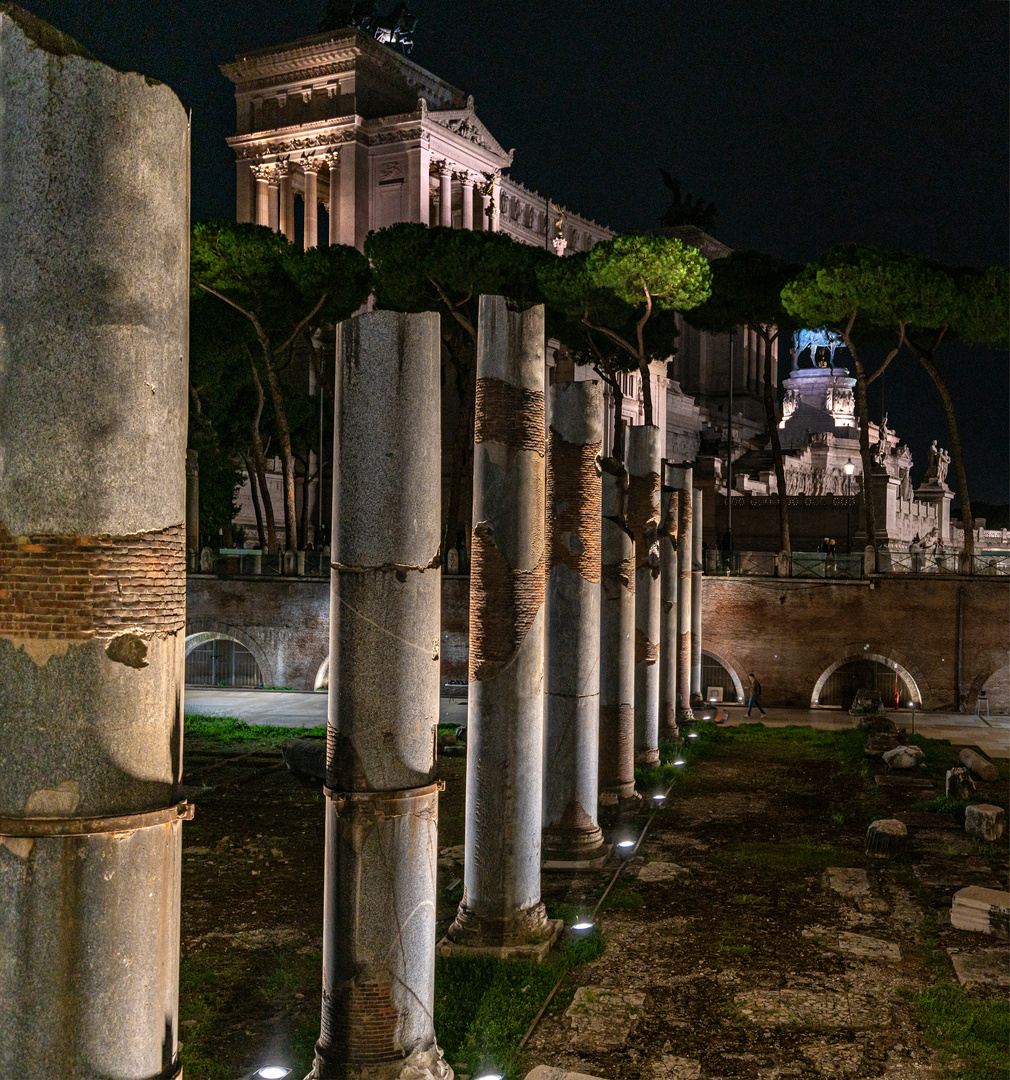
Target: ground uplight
(692,734)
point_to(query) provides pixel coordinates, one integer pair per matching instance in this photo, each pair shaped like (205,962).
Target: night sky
(806,123)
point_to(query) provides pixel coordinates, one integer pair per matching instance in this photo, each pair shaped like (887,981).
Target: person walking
(753,694)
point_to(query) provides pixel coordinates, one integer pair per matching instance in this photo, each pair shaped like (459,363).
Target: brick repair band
(575,503)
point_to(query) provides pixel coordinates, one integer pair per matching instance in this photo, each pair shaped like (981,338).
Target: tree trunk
(260,465)
(956,449)
(287,457)
(257,509)
(643,370)
(772,420)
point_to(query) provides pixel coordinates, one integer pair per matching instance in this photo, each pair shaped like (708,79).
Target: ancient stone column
(680,478)
(697,573)
(262,174)
(311,167)
(504,761)
(668,615)
(333,161)
(286,201)
(445,194)
(94,254)
(644,457)
(381,798)
(617,638)
(572,701)
(466,199)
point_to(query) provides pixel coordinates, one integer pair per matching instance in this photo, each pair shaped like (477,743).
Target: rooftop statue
(814,340)
(394,28)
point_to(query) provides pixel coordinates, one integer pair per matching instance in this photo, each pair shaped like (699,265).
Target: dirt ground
(750,937)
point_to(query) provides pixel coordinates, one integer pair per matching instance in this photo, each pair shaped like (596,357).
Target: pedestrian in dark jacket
(753,694)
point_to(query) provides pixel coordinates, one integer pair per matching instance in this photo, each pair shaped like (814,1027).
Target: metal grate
(714,674)
(841,685)
(222,662)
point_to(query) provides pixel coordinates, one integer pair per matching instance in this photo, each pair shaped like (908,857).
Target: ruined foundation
(94,222)
(644,463)
(617,639)
(668,615)
(501,905)
(681,479)
(571,835)
(381,796)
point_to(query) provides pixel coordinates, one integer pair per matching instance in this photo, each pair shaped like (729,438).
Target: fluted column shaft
(466,196)
(445,195)
(311,169)
(262,174)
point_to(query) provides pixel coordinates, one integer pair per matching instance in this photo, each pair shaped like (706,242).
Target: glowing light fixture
(625,848)
(849,468)
(272,1072)
(582,929)
(490,1076)
(680,761)
(692,734)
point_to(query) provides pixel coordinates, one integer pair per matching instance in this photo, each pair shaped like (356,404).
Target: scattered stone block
(983,911)
(661,871)
(899,780)
(797,1008)
(847,881)
(602,1018)
(904,757)
(982,767)
(878,744)
(984,967)
(984,821)
(868,947)
(959,783)
(885,838)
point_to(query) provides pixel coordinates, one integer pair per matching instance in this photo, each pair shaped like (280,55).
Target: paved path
(285,708)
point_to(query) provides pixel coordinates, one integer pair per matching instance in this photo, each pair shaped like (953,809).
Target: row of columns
(447,172)
(275,200)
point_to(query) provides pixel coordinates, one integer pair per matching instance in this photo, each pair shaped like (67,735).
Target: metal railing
(850,566)
(818,564)
(231,562)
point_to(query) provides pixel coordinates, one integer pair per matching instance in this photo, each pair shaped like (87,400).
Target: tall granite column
(572,702)
(668,615)
(94,227)
(192,510)
(645,459)
(697,573)
(617,638)
(681,478)
(382,801)
(504,761)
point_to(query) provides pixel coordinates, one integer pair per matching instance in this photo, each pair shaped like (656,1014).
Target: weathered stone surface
(982,767)
(662,871)
(901,780)
(546,1072)
(878,744)
(810,1009)
(885,838)
(850,882)
(671,1067)
(904,757)
(985,821)
(603,1018)
(985,911)
(959,784)
(850,944)
(981,967)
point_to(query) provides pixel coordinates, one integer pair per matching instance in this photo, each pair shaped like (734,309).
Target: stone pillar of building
(311,167)
(668,615)
(617,638)
(192,509)
(286,201)
(466,199)
(381,795)
(94,265)
(496,205)
(445,194)
(681,479)
(333,161)
(262,174)
(644,458)
(347,214)
(572,700)
(697,576)
(504,761)
(273,197)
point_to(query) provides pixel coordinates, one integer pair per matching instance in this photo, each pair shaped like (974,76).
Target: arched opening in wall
(838,686)
(716,676)
(218,660)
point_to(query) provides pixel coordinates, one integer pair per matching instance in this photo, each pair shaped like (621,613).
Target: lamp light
(849,468)
(680,761)
(271,1072)
(583,928)
(625,848)
(692,734)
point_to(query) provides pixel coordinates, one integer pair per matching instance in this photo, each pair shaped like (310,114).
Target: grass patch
(978,1031)
(623,897)
(801,856)
(942,805)
(227,731)
(483,1007)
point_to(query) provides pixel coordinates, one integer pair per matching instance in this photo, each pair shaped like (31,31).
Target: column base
(646,757)
(685,716)
(420,1065)
(668,721)
(573,847)
(525,934)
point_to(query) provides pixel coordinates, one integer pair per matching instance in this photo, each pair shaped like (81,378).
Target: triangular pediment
(465,123)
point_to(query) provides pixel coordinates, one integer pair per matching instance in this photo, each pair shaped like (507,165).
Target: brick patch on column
(574,506)
(366,1023)
(79,588)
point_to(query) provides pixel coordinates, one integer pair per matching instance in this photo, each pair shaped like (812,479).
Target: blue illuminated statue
(814,340)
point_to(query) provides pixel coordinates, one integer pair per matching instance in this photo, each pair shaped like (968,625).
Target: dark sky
(806,123)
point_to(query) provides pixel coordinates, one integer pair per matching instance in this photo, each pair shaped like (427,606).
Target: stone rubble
(984,821)
(904,757)
(984,911)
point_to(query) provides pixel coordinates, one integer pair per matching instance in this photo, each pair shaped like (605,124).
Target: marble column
(262,174)
(644,457)
(617,638)
(445,194)
(668,615)
(381,794)
(466,197)
(680,478)
(274,205)
(496,205)
(311,167)
(697,573)
(286,201)
(94,283)
(501,903)
(333,161)
(485,212)
(571,834)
